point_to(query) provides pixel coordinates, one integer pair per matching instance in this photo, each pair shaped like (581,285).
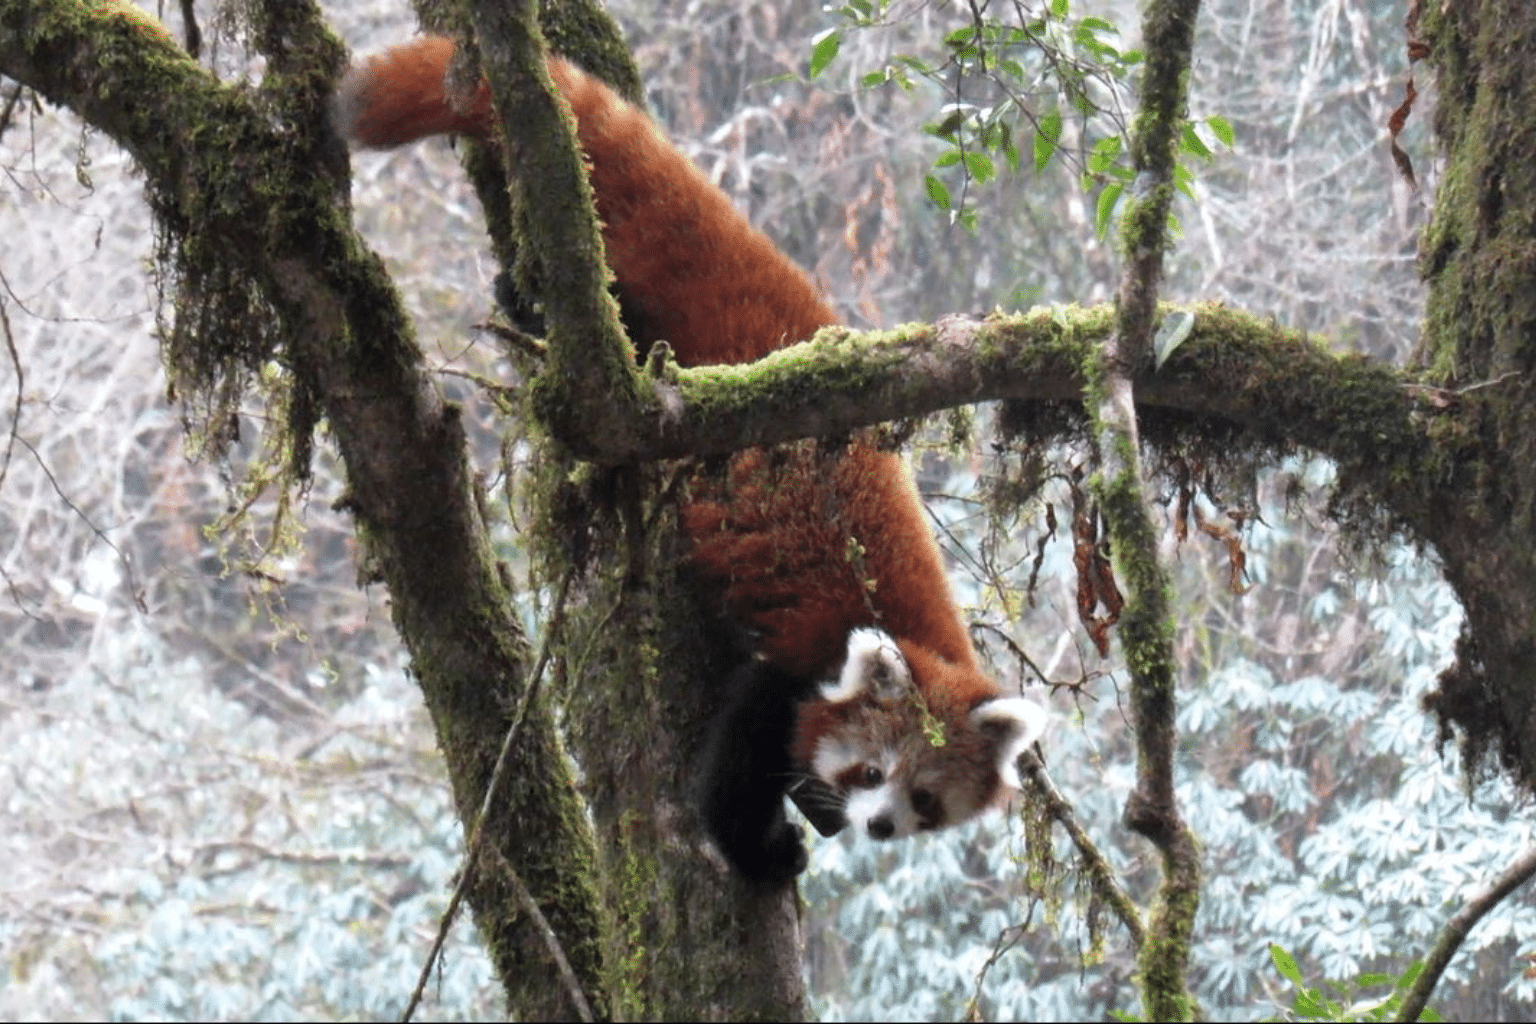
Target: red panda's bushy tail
(398,96)
(687,263)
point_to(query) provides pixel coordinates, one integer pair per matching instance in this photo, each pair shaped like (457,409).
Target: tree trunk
(688,939)
(1479,257)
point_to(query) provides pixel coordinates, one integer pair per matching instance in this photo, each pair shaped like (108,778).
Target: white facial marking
(883,811)
(832,757)
(867,805)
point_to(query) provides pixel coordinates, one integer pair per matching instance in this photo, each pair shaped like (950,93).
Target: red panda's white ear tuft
(1016,722)
(873,665)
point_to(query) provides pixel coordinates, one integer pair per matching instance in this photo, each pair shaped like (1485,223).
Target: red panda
(863,699)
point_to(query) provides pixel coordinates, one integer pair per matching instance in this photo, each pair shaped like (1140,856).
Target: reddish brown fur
(719,292)
(716,289)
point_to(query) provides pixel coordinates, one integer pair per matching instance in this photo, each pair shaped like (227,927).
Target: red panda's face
(899,768)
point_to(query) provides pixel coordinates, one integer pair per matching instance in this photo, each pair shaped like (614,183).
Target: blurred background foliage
(222,796)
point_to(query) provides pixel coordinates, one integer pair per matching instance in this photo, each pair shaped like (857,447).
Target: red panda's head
(904,755)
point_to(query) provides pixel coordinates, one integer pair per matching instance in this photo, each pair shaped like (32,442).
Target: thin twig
(10,348)
(551,940)
(135,593)
(472,851)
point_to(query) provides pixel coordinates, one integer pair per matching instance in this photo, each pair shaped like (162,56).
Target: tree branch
(590,366)
(1146,624)
(261,200)
(477,852)
(1101,874)
(1458,928)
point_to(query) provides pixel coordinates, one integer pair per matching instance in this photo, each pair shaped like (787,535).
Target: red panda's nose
(881,827)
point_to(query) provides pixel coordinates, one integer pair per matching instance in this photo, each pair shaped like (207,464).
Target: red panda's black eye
(859,776)
(924,802)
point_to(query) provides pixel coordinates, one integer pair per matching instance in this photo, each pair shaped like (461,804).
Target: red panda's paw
(783,854)
(820,803)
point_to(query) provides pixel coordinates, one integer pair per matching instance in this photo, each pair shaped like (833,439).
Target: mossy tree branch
(257,202)
(686,937)
(1146,623)
(590,374)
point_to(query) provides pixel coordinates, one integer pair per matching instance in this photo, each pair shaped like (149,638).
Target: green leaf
(1171,333)
(950,125)
(1010,151)
(948,158)
(1047,139)
(1222,129)
(1106,207)
(1192,143)
(960,37)
(1103,154)
(874,78)
(1307,1006)
(1060,8)
(938,195)
(1285,965)
(824,48)
(1184,181)
(1096,46)
(980,167)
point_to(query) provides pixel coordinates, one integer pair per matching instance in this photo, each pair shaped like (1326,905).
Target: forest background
(224,798)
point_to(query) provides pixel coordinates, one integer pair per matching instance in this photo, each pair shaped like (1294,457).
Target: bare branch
(1458,928)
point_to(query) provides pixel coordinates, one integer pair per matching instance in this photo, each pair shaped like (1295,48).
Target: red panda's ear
(873,666)
(1013,723)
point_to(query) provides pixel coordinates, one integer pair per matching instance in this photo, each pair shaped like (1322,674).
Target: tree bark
(1147,622)
(1479,257)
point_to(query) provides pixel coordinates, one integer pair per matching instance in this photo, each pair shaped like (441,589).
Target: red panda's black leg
(746,771)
